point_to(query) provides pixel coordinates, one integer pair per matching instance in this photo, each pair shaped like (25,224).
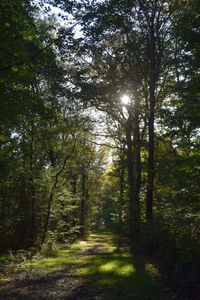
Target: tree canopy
(99,123)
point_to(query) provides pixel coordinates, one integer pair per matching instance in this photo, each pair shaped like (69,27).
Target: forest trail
(96,268)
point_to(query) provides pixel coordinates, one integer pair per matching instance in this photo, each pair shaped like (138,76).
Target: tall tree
(127,51)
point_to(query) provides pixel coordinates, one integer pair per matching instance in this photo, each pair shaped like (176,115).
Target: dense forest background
(99,124)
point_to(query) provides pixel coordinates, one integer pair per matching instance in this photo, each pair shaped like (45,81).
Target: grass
(100,262)
(58,261)
(120,275)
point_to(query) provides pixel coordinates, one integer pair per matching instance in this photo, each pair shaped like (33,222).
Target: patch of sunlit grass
(114,266)
(54,263)
(120,276)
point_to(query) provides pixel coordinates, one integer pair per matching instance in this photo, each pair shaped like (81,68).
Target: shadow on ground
(119,275)
(91,269)
(57,285)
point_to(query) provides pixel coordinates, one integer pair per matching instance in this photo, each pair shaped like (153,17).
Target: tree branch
(22,62)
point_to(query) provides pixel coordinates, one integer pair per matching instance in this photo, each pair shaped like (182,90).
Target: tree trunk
(121,191)
(46,225)
(74,190)
(3,204)
(84,199)
(51,195)
(133,218)
(137,161)
(152,99)
(32,190)
(150,180)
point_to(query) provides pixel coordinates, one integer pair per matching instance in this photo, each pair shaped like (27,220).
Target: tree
(120,52)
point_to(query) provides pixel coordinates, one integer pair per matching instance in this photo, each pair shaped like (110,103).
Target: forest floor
(95,268)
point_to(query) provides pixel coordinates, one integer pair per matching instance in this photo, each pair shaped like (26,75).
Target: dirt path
(91,269)
(59,284)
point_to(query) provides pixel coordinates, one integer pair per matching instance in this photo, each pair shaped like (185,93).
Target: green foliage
(42,135)
(48,249)
(175,250)
(55,183)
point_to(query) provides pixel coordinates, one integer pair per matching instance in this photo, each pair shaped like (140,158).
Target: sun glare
(125,99)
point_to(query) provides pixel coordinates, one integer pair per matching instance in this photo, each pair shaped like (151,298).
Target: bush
(48,249)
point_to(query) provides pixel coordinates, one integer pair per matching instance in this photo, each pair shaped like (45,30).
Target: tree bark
(133,217)
(121,191)
(32,189)
(154,70)
(151,150)
(74,190)
(137,160)
(84,199)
